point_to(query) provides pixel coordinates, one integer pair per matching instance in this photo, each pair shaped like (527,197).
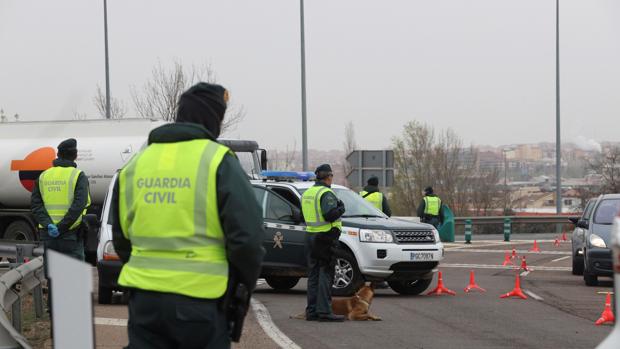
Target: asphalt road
(560,314)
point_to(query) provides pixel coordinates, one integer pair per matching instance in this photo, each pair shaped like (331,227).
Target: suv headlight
(436,234)
(368,235)
(109,254)
(597,241)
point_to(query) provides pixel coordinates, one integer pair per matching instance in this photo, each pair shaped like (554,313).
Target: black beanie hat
(428,190)
(203,104)
(373,180)
(67,149)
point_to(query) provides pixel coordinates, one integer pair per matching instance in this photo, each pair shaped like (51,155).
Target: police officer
(372,194)
(59,200)
(181,220)
(430,209)
(322,211)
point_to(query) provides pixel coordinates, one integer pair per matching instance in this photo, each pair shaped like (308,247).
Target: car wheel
(410,287)
(590,279)
(282,282)
(104,295)
(19,230)
(347,276)
(577,265)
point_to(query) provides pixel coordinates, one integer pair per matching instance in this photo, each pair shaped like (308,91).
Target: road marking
(560,259)
(472,250)
(525,273)
(605,292)
(106,321)
(497,266)
(533,295)
(264,320)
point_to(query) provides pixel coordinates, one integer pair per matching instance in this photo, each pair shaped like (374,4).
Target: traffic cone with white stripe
(556,243)
(607,316)
(564,236)
(440,289)
(514,254)
(535,247)
(516,292)
(507,259)
(472,284)
(524,264)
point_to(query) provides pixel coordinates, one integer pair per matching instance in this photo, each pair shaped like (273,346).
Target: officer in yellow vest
(372,194)
(322,211)
(183,226)
(59,200)
(430,209)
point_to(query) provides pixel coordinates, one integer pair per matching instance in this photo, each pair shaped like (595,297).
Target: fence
(18,282)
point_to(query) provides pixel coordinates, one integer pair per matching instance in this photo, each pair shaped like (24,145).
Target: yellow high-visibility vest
(376,199)
(57,186)
(432,205)
(311,208)
(168,210)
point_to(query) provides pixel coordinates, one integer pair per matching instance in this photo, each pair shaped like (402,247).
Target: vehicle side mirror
(573,220)
(582,223)
(263,159)
(297,216)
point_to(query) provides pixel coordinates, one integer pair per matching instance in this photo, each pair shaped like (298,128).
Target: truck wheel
(347,276)
(577,265)
(104,295)
(19,230)
(410,287)
(282,283)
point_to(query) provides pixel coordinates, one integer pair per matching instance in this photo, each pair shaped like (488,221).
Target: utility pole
(107,65)
(304,132)
(558,143)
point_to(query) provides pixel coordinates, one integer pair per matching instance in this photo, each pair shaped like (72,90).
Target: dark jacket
(422,207)
(385,206)
(80,200)
(241,217)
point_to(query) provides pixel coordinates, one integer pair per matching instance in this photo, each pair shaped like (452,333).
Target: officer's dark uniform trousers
(320,275)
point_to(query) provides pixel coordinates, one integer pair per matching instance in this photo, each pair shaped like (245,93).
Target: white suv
(373,247)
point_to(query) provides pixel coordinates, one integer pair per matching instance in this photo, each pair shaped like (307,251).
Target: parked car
(597,259)
(578,237)
(613,340)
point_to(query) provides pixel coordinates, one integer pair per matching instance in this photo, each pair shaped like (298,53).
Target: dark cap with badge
(373,180)
(323,171)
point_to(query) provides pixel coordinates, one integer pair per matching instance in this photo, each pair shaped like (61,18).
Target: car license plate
(421,256)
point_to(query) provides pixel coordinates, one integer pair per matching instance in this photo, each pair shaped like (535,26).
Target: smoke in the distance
(586,144)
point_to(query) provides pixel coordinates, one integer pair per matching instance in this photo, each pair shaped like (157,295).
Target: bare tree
(283,160)
(16,116)
(349,145)
(117,107)
(159,96)
(2,116)
(79,115)
(607,164)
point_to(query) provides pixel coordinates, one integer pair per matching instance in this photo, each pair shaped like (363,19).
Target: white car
(373,247)
(613,340)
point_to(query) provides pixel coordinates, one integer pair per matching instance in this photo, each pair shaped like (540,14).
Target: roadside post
(507,227)
(468,231)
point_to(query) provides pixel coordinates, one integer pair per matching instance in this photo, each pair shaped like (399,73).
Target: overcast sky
(483,67)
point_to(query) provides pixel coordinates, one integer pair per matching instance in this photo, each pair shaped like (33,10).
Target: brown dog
(357,307)
(354,308)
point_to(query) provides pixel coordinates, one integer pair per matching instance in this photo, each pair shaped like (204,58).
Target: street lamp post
(304,134)
(558,146)
(107,65)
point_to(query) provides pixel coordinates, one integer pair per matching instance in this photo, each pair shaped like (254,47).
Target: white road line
(496,266)
(533,295)
(110,321)
(472,250)
(560,259)
(264,320)
(525,273)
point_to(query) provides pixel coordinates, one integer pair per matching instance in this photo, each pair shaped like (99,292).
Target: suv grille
(414,236)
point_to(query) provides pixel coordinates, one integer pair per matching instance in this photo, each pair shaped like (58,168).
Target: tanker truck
(104,146)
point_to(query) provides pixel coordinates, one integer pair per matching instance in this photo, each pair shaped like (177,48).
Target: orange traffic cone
(441,289)
(472,284)
(556,243)
(516,292)
(534,247)
(507,259)
(514,254)
(523,264)
(564,236)
(607,315)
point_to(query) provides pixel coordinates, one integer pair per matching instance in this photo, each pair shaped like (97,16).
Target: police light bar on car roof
(288,175)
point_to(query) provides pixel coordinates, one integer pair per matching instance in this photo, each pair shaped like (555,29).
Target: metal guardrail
(15,284)
(550,219)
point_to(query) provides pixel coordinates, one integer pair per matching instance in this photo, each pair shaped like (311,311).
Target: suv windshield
(606,211)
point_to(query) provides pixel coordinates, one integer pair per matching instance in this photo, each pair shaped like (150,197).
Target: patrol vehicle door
(284,233)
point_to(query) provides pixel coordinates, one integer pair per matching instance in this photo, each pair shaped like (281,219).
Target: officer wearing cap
(430,209)
(322,211)
(184,228)
(372,194)
(59,200)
